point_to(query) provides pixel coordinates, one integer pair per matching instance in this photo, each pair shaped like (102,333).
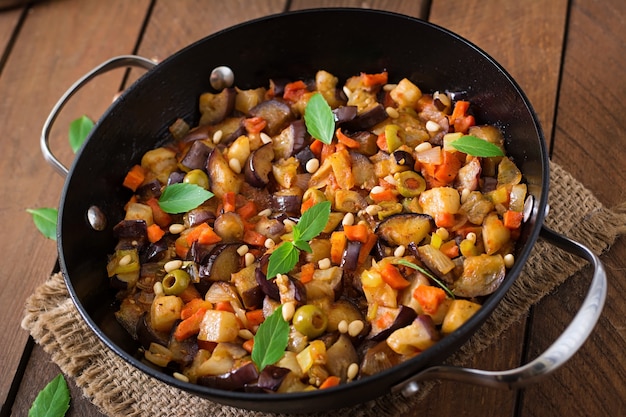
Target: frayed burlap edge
(118,389)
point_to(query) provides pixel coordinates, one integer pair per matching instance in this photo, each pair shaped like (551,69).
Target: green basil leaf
(313,221)
(79,130)
(53,400)
(319,119)
(46,221)
(270,340)
(475,146)
(182,197)
(427,273)
(282,259)
(303,245)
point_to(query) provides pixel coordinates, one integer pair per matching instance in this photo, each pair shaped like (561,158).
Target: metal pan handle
(113,63)
(556,355)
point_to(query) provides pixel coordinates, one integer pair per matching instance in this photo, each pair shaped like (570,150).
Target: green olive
(198,177)
(410,183)
(175,282)
(310,320)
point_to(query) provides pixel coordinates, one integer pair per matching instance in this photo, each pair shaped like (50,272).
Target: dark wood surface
(568,56)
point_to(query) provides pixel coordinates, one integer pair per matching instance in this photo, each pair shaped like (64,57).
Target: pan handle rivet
(222,77)
(96,218)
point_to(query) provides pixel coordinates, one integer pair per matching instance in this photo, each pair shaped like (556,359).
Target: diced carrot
(429,297)
(224,306)
(331,381)
(346,140)
(134,178)
(381,142)
(385,195)
(189,293)
(392,276)
(254,124)
(195,304)
(459,117)
(316,147)
(337,246)
(209,237)
(464,123)
(155,233)
(385,320)
(447,171)
(254,238)
(341,163)
(229,202)
(189,326)
(160,217)
(445,219)
(307,204)
(294,90)
(356,232)
(367,247)
(248,345)
(327,150)
(512,219)
(181,247)
(460,109)
(255,317)
(450,249)
(370,80)
(306,272)
(248,210)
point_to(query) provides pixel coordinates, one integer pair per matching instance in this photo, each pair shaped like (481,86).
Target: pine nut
(125,260)
(399,252)
(353,371)
(217,136)
(235,165)
(242,250)
(289,310)
(373,209)
(265,213)
(393,113)
(432,126)
(172,265)
(323,263)
(158,289)
(377,189)
(176,228)
(249,259)
(355,328)
(509,260)
(269,243)
(245,334)
(424,146)
(471,236)
(443,233)
(180,377)
(347,92)
(342,326)
(265,138)
(312,165)
(348,219)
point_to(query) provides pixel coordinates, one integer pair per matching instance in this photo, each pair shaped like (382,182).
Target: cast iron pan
(344,42)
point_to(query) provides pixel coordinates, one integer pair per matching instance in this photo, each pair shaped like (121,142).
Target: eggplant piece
(377,357)
(350,257)
(223,178)
(259,166)
(344,114)
(278,86)
(291,140)
(151,189)
(287,201)
(175,177)
(367,142)
(403,317)
(229,226)
(403,229)
(197,133)
(404,158)
(268,287)
(197,156)
(154,252)
(367,119)
(131,229)
(482,275)
(271,377)
(146,334)
(214,107)
(235,380)
(221,262)
(184,351)
(363,171)
(326,284)
(339,356)
(231,127)
(305,155)
(202,214)
(415,337)
(275,112)
(248,288)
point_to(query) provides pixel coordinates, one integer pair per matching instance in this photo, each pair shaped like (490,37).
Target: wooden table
(568,56)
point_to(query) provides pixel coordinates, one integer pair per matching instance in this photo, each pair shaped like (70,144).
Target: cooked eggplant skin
(404,229)
(275,112)
(197,156)
(218,265)
(259,166)
(214,107)
(235,380)
(405,315)
(368,119)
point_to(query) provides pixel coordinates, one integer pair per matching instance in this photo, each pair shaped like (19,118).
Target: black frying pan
(294,45)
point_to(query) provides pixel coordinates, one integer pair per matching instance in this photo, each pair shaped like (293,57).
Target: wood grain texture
(9,20)
(415,8)
(590,144)
(55,43)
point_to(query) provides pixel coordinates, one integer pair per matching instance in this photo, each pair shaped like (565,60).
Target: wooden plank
(415,8)
(56,45)
(9,20)
(590,144)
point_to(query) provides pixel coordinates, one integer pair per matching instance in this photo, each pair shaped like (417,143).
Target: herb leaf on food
(476,146)
(181,197)
(428,274)
(282,259)
(319,119)
(45,220)
(53,400)
(79,130)
(270,340)
(313,221)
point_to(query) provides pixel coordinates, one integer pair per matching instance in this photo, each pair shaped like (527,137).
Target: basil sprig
(476,146)
(182,197)
(319,119)
(53,400)
(311,224)
(270,340)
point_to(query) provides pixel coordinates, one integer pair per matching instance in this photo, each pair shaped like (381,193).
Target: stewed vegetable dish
(308,233)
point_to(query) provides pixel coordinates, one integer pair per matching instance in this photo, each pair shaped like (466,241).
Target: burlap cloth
(117,389)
